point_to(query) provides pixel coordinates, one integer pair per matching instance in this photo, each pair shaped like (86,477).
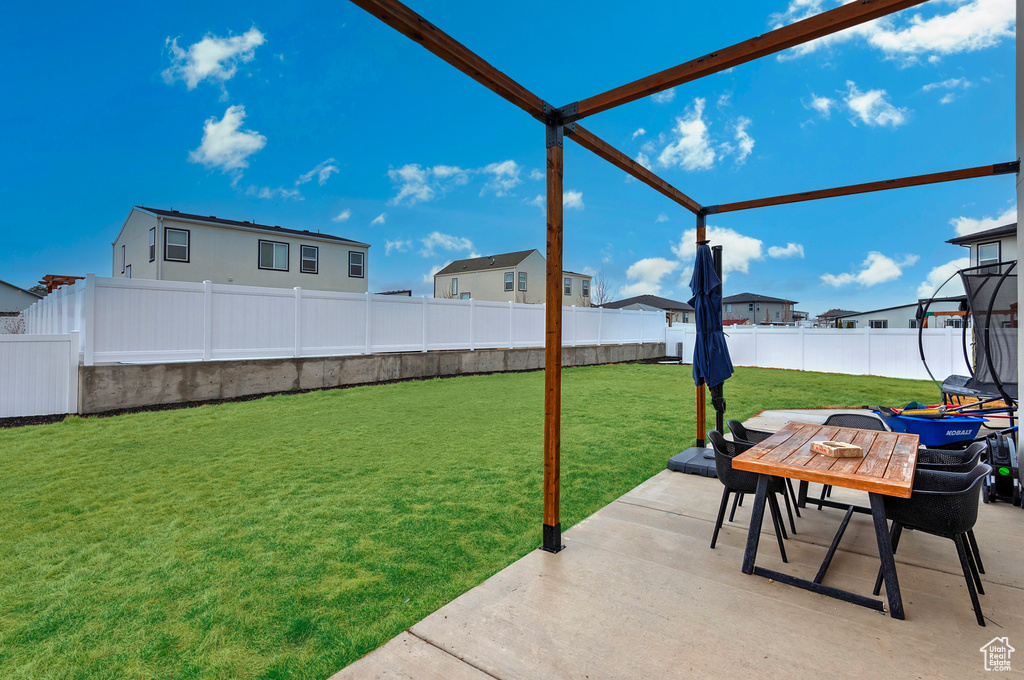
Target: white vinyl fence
(38,375)
(137,320)
(889,352)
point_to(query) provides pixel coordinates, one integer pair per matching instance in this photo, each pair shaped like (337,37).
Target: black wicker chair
(860,421)
(741,481)
(955,461)
(749,434)
(942,504)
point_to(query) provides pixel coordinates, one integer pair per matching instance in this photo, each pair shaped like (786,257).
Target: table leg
(801,496)
(885,554)
(756,517)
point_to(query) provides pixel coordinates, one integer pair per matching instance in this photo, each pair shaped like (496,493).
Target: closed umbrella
(711,362)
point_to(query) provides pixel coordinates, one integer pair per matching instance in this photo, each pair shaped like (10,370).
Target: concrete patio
(637,593)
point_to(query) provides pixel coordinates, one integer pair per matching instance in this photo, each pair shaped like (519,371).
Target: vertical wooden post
(701,418)
(553,344)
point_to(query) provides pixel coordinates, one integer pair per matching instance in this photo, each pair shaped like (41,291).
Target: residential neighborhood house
(13,300)
(508,277)
(942,312)
(168,245)
(760,309)
(829,318)
(675,311)
(991,246)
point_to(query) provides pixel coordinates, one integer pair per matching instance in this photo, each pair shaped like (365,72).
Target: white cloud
(970,225)
(791,250)
(822,105)
(744,142)
(607,254)
(342,216)
(643,160)
(536,174)
(662,217)
(876,269)
(412,179)
(379,220)
(691,148)
(939,274)
(973,25)
(639,132)
(572,200)
(948,98)
(322,171)
(268,192)
(664,97)
(740,250)
(225,145)
(211,58)
(438,241)
(872,108)
(948,84)
(646,276)
(504,178)
(429,276)
(398,246)
(538,201)
(724,101)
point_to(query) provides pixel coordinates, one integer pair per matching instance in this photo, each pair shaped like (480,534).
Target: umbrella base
(694,461)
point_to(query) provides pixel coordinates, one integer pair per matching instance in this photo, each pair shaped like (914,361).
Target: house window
(356,266)
(508,280)
(152,244)
(954,322)
(455,287)
(273,255)
(176,245)
(568,286)
(913,323)
(728,308)
(988,253)
(586,288)
(878,323)
(464,296)
(522,280)
(122,259)
(750,307)
(309,259)
(127,271)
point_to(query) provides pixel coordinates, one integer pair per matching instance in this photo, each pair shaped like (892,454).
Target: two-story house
(168,245)
(758,309)
(991,246)
(508,277)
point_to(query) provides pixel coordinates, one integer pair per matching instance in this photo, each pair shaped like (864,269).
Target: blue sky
(318,116)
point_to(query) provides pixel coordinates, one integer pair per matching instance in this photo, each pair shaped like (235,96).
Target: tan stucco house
(508,277)
(168,245)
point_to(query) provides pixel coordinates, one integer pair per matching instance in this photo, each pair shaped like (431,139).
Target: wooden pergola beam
(809,29)
(916,180)
(588,140)
(409,23)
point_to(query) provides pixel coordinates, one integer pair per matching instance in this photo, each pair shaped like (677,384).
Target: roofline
(341,240)
(912,304)
(21,289)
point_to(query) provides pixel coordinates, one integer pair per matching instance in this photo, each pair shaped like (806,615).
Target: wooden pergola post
(552,541)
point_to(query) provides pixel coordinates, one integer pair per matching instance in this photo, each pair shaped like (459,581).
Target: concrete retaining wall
(110,387)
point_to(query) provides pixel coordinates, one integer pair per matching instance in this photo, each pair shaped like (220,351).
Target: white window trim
(188,244)
(303,260)
(567,285)
(510,282)
(361,265)
(522,282)
(274,268)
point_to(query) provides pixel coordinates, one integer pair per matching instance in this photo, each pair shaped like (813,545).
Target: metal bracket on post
(553,120)
(552,542)
(709,210)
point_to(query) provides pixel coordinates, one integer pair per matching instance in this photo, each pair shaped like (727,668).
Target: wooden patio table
(887,469)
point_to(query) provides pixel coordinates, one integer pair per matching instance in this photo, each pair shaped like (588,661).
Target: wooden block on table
(837,449)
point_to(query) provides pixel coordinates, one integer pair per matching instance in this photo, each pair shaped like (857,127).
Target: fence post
(621,314)
(867,340)
(755,345)
(573,336)
(423,318)
(803,350)
(72,401)
(472,325)
(600,324)
(369,309)
(511,327)
(298,321)
(207,320)
(90,318)
(949,349)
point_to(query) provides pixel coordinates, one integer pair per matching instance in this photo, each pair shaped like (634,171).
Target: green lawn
(288,536)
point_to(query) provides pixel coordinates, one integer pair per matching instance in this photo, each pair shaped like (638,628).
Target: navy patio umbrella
(711,362)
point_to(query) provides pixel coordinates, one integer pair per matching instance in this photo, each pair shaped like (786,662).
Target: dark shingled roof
(835,313)
(752,297)
(651,300)
(995,232)
(248,225)
(479,264)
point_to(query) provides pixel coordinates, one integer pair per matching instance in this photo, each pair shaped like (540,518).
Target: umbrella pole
(701,418)
(718,392)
